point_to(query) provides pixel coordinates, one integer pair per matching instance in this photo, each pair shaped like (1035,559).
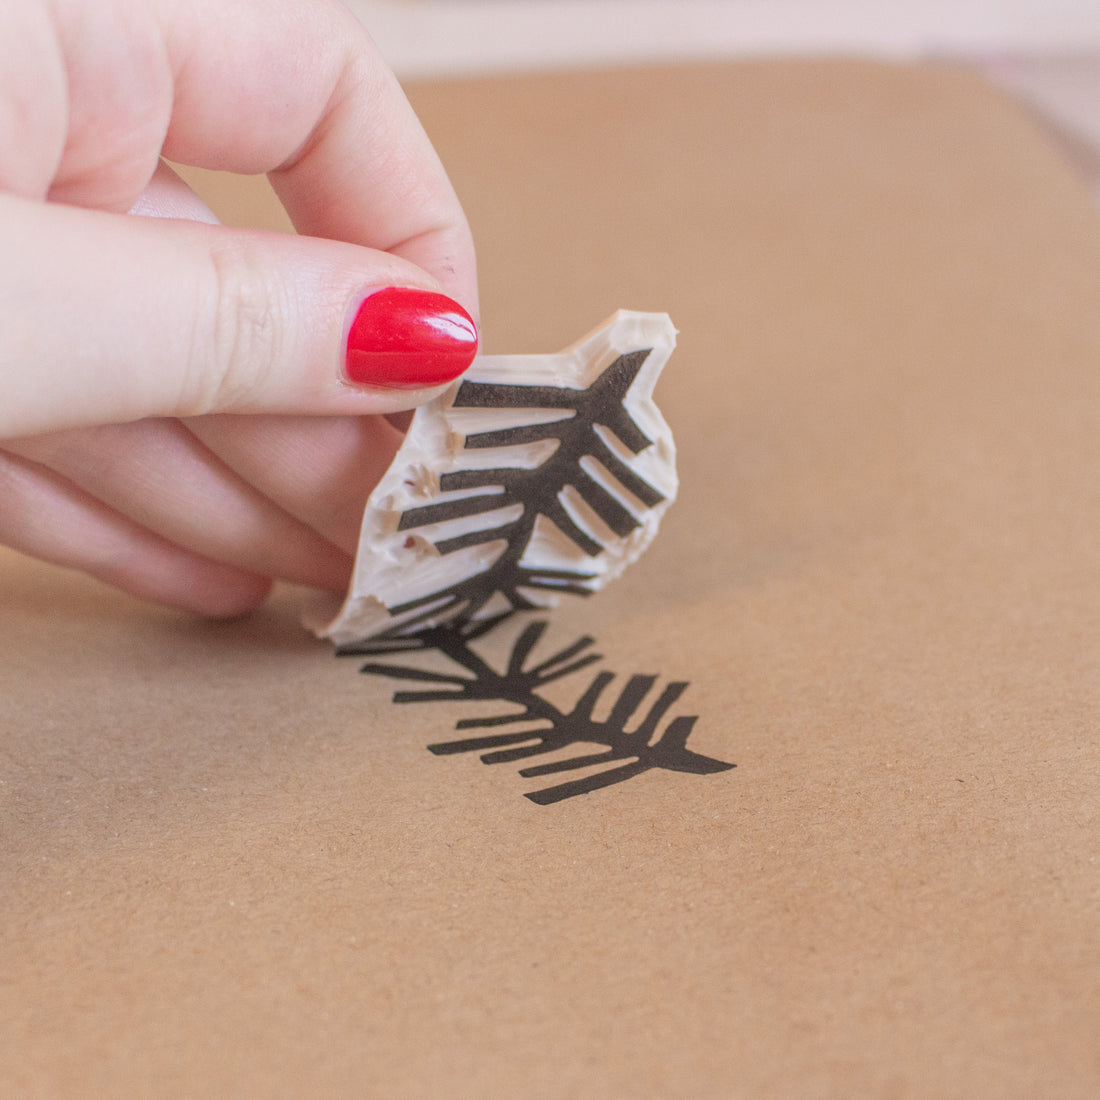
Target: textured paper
(232,867)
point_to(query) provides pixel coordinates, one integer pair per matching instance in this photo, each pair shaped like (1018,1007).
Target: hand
(176,414)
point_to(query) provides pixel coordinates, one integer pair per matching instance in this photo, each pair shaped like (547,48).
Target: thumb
(106,318)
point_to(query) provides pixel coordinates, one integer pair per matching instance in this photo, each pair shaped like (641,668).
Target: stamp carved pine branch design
(530,478)
(537,491)
(538,726)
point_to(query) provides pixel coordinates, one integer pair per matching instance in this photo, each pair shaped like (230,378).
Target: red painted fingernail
(402,338)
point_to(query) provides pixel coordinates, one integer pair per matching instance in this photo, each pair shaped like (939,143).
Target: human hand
(176,415)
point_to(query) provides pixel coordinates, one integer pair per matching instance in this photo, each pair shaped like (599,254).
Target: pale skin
(173,415)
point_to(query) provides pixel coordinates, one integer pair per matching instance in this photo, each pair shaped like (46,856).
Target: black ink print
(537,491)
(542,727)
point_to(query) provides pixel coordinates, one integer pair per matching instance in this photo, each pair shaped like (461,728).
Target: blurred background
(1045,52)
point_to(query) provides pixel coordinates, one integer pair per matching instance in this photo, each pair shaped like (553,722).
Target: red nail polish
(406,339)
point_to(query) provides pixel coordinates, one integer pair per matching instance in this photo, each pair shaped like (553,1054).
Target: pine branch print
(539,727)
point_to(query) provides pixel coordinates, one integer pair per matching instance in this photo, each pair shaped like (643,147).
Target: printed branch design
(543,727)
(536,491)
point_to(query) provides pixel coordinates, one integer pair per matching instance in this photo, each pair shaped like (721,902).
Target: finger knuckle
(244,333)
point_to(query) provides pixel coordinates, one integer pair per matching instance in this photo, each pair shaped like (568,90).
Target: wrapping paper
(233,864)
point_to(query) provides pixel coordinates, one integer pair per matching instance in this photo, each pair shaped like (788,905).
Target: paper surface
(233,867)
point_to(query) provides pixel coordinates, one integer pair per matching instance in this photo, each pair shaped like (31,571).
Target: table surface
(231,866)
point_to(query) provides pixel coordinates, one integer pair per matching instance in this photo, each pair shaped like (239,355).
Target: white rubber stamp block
(529,477)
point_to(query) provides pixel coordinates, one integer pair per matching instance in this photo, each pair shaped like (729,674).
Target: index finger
(297,89)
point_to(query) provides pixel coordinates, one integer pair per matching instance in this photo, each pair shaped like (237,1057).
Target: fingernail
(403,338)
